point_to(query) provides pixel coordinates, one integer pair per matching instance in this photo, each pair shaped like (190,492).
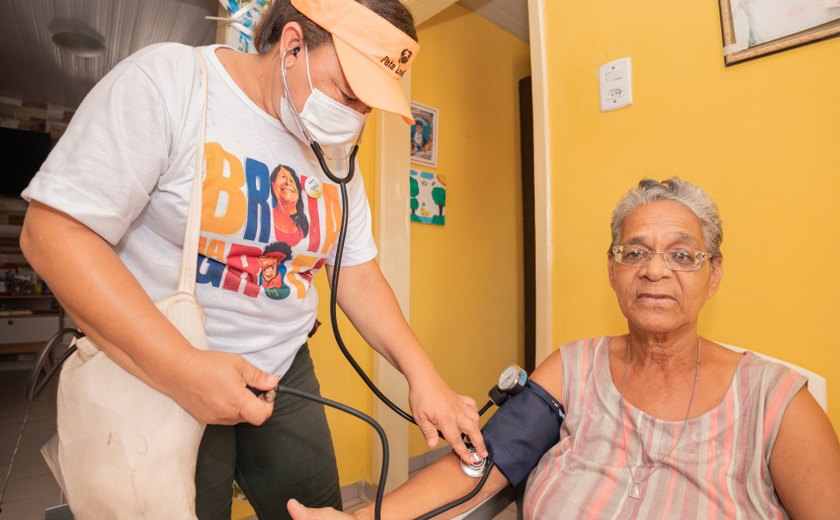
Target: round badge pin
(313,187)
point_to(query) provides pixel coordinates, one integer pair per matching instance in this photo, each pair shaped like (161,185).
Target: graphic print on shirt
(261,233)
(290,222)
(272,270)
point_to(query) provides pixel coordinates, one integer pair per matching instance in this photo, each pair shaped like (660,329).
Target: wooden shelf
(33,315)
(22,333)
(28,347)
(13,259)
(26,296)
(10,231)
(12,205)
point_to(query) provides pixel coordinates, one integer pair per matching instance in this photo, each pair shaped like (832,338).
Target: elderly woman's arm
(443,481)
(805,462)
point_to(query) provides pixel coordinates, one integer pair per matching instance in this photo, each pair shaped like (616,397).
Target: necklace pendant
(635,490)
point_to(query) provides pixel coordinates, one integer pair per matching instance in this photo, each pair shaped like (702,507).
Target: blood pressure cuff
(522,430)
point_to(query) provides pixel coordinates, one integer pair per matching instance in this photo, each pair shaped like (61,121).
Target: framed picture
(424,135)
(428,198)
(753,28)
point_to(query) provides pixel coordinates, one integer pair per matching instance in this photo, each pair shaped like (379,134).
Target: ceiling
(34,69)
(510,15)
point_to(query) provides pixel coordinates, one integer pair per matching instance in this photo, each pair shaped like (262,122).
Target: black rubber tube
(342,234)
(383,472)
(32,389)
(458,502)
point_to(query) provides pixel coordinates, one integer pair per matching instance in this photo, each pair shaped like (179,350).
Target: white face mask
(329,123)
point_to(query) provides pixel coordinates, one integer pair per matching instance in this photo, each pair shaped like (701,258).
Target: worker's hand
(299,512)
(211,386)
(437,407)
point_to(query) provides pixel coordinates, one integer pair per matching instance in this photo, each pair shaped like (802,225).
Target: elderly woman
(661,423)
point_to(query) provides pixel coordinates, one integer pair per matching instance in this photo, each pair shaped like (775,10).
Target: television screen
(23,152)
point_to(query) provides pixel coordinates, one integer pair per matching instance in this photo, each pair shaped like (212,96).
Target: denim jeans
(289,456)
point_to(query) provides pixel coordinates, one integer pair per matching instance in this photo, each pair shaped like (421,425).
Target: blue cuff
(525,427)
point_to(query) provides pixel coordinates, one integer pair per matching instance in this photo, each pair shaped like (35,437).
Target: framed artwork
(753,28)
(424,135)
(428,197)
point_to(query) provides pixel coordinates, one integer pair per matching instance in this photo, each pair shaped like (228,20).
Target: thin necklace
(635,489)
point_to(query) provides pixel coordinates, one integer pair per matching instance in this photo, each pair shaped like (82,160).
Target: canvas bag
(123,449)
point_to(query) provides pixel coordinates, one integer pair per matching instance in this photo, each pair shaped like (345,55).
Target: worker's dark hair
(282,12)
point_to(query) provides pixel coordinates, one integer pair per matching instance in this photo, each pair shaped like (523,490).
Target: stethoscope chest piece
(477,468)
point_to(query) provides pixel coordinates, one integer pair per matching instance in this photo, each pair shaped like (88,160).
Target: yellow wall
(466,276)
(762,137)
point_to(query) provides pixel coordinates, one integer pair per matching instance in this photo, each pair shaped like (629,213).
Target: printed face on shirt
(285,189)
(268,266)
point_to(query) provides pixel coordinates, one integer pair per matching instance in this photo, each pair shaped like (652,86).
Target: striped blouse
(718,470)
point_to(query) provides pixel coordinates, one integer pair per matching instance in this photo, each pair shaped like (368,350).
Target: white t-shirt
(125,167)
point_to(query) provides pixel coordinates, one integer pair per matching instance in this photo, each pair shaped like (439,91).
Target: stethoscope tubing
(342,234)
(383,439)
(459,501)
(33,390)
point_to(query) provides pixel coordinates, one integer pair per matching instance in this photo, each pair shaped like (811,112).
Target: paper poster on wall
(428,198)
(424,134)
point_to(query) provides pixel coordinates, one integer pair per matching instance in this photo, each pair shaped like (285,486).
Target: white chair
(497,503)
(816,382)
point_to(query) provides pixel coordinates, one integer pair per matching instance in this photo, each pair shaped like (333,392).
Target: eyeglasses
(675,259)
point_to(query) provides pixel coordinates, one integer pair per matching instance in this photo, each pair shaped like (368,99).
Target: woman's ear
(291,39)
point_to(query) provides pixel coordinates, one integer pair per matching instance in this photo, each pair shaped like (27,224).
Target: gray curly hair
(689,195)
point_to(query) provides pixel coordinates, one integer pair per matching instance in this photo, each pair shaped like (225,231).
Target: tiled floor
(27,488)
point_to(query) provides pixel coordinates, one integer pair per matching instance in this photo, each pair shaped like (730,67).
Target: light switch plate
(616,84)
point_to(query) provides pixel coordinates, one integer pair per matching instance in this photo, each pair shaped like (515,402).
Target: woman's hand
(299,512)
(211,386)
(435,407)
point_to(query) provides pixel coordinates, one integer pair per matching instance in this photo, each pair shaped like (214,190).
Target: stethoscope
(342,183)
(511,381)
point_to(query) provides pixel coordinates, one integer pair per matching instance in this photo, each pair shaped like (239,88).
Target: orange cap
(373,53)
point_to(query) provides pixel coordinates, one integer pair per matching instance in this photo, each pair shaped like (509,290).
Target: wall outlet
(616,85)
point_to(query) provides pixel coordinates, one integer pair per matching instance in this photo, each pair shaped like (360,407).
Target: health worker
(108,210)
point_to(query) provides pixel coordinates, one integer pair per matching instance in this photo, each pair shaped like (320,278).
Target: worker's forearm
(368,301)
(101,295)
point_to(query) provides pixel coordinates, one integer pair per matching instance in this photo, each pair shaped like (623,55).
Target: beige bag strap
(189,257)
